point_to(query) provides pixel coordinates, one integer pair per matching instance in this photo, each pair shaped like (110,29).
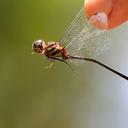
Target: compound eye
(35,50)
(34,45)
(39,42)
(40,46)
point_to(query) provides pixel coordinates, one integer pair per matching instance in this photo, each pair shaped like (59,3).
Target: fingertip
(118,17)
(94,6)
(98,11)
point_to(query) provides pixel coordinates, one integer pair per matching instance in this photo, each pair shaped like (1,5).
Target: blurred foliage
(30,95)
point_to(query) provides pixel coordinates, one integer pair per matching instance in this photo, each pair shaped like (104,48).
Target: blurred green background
(32,96)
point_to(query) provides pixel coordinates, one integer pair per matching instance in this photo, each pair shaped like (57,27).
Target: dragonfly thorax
(55,49)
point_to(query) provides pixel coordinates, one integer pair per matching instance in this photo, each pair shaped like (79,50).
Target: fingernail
(99,20)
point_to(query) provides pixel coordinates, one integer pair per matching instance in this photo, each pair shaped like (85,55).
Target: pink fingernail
(99,20)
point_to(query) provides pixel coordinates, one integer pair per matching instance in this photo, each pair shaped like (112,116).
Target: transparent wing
(81,38)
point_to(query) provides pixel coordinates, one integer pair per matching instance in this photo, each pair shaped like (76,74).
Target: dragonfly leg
(53,62)
(62,60)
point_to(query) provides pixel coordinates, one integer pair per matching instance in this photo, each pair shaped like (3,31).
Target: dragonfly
(80,39)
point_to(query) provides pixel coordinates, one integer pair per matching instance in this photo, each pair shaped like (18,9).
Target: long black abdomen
(97,62)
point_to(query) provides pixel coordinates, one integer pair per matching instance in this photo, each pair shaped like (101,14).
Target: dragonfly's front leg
(52,63)
(62,60)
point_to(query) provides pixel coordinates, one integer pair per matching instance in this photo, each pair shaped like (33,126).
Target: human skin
(116,10)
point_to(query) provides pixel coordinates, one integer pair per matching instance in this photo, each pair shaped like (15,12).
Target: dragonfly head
(38,46)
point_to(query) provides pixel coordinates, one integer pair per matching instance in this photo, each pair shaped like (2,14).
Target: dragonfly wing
(84,39)
(74,28)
